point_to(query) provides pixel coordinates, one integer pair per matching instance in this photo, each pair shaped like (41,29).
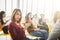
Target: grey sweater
(55,32)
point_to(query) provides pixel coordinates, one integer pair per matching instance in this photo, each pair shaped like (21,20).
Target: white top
(8,23)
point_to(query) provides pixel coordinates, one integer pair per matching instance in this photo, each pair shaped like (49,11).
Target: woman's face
(17,16)
(30,16)
(35,16)
(4,15)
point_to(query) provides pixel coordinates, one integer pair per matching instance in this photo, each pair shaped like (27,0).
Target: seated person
(42,23)
(35,20)
(2,22)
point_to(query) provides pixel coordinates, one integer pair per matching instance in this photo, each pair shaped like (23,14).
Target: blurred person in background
(35,20)
(55,32)
(42,23)
(2,22)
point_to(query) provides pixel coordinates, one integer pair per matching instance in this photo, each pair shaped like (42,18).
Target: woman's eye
(17,14)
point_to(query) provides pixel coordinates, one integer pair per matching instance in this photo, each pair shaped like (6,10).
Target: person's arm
(37,29)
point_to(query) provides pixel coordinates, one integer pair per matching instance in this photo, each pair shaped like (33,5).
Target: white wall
(2,5)
(47,7)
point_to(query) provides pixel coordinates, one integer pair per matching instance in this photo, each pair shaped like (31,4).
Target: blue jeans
(40,33)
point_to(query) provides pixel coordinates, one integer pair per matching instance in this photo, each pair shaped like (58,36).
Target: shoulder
(57,24)
(11,24)
(58,21)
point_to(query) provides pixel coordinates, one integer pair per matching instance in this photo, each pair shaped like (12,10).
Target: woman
(55,32)
(2,22)
(2,16)
(35,20)
(15,28)
(32,29)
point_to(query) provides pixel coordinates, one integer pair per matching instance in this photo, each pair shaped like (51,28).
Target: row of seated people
(30,26)
(37,28)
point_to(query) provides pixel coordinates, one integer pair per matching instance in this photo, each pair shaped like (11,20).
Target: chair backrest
(49,27)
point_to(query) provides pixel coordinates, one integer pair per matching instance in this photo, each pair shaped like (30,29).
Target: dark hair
(1,17)
(28,21)
(13,15)
(27,16)
(1,14)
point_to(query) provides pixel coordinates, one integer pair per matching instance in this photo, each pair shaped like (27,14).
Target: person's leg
(40,33)
(27,38)
(36,33)
(45,33)
(41,39)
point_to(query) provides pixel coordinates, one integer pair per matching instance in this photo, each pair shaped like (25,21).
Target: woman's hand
(37,29)
(27,24)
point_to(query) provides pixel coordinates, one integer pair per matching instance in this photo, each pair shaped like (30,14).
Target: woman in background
(2,22)
(55,32)
(35,20)
(15,28)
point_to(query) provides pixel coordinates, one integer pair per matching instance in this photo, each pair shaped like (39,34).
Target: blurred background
(46,7)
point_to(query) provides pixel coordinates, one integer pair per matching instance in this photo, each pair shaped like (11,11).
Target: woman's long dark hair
(1,17)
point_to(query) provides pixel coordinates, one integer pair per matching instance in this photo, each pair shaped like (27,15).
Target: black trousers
(5,29)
